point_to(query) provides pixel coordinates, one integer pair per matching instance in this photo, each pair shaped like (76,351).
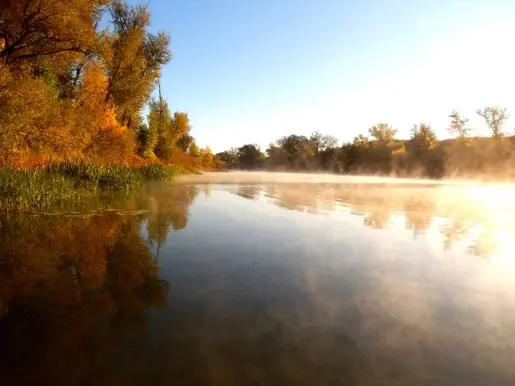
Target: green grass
(58,185)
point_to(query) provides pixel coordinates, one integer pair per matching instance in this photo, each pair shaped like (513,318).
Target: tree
(156,118)
(423,137)
(296,149)
(360,141)
(207,157)
(458,126)
(72,91)
(321,142)
(187,144)
(30,29)
(180,126)
(250,157)
(135,61)
(495,118)
(382,133)
(229,157)
(193,149)
(173,130)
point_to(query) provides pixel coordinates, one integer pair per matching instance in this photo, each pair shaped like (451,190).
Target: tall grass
(61,184)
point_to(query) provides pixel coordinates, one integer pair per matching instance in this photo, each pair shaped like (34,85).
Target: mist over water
(265,278)
(244,177)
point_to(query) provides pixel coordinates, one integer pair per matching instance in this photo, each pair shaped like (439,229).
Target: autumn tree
(192,148)
(134,64)
(458,126)
(380,155)
(382,133)
(423,137)
(173,129)
(495,117)
(424,157)
(360,141)
(57,30)
(188,145)
(206,158)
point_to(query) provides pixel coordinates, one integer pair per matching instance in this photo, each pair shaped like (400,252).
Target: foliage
(135,61)
(495,117)
(250,157)
(381,153)
(458,126)
(60,30)
(382,133)
(61,184)
(423,138)
(71,92)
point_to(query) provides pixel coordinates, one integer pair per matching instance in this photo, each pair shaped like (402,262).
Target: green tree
(297,150)
(157,116)
(229,157)
(321,142)
(250,157)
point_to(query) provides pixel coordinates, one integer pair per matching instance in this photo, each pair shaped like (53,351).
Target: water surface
(264,279)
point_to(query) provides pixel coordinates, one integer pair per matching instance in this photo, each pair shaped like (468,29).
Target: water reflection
(134,290)
(459,214)
(72,284)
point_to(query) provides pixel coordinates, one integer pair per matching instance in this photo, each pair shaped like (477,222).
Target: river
(264,279)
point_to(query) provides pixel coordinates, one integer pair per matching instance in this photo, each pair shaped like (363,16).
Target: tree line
(73,90)
(380,152)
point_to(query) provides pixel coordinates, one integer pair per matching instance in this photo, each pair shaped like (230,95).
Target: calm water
(263,280)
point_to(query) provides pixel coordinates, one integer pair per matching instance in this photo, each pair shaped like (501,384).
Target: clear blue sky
(249,71)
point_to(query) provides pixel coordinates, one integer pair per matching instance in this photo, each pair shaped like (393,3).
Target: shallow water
(264,279)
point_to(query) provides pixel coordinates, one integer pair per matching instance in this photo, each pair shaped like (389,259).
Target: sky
(251,71)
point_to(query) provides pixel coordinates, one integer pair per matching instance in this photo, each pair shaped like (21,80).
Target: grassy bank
(58,185)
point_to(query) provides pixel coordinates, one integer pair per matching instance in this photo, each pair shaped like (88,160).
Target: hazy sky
(249,71)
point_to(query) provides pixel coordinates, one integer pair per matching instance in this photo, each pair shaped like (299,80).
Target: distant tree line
(379,152)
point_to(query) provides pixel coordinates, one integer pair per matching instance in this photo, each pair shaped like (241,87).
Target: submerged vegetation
(73,95)
(380,152)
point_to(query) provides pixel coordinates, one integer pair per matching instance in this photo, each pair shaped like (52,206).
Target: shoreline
(64,184)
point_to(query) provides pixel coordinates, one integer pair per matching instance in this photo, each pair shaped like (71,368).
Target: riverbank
(62,184)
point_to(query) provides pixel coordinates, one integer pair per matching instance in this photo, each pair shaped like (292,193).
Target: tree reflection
(250,192)
(420,205)
(71,284)
(168,208)
(452,233)
(299,197)
(377,219)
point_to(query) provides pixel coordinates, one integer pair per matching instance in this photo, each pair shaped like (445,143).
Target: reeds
(55,185)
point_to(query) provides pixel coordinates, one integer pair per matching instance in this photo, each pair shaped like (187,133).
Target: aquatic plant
(55,185)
